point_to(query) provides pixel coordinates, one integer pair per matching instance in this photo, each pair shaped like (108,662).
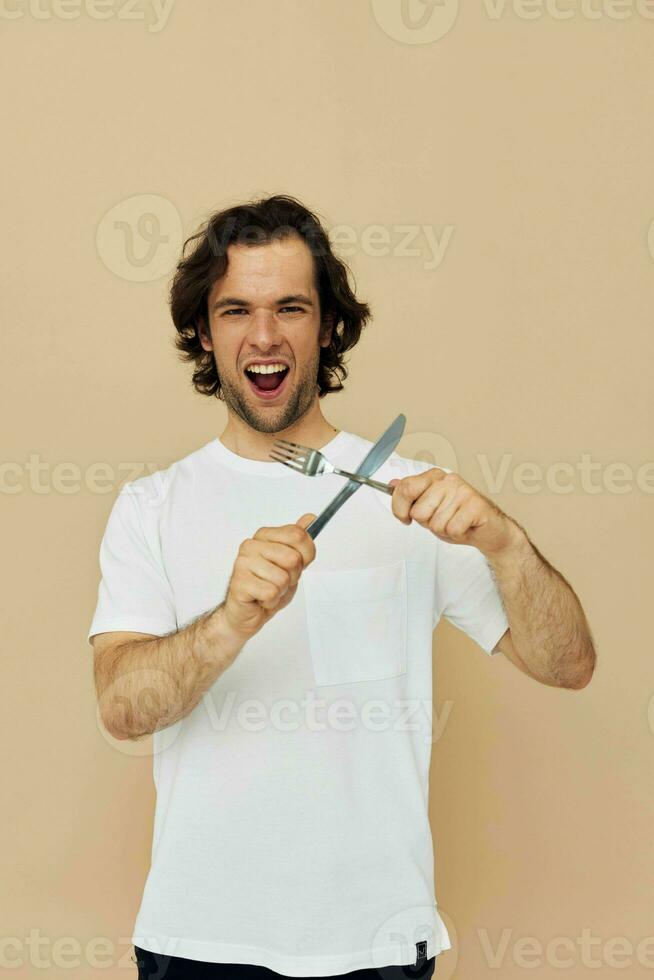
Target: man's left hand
(452,510)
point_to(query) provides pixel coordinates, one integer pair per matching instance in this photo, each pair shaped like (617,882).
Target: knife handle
(332,507)
(316,526)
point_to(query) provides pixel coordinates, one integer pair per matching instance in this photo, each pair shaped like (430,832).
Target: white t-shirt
(291,827)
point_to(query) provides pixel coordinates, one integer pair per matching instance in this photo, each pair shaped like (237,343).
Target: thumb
(305,520)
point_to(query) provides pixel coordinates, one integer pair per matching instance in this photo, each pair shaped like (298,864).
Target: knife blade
(377,455)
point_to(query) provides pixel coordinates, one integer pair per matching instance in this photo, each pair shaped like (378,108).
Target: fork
(311,462)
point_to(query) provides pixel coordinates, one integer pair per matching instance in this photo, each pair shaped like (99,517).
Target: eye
(299,309)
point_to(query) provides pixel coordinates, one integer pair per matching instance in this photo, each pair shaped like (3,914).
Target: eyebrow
(235,301)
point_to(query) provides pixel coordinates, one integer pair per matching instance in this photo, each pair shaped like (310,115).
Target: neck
(312,430)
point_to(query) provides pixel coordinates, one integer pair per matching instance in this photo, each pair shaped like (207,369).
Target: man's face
(266,308)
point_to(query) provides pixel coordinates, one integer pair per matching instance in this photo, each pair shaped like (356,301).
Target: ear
(204,335)
(326,330)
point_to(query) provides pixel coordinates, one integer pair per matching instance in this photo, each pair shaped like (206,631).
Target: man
(288,684)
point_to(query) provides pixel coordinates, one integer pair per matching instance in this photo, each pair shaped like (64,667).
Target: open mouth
(267,384)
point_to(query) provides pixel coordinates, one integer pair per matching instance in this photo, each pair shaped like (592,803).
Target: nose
(264,331)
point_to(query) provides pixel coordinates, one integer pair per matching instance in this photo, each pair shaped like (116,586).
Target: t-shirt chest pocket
(357,622)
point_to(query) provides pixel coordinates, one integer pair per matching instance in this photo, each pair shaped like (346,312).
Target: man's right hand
(265,575)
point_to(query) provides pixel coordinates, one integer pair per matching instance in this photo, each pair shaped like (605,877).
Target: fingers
(268,566)
(408,490)
(440,499)
(267,583)
(266,574)
(256,579)
(274,562)
(436,500)
(292,536)
(456,524)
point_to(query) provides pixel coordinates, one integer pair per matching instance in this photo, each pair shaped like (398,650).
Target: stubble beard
(298,401)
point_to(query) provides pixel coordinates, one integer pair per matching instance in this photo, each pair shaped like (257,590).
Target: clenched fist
(266,575)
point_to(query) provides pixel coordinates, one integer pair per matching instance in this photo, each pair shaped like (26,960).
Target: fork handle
(364,479)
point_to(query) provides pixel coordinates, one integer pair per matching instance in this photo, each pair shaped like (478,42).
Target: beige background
(524,144)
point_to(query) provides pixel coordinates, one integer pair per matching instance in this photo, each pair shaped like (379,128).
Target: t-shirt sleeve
(134,593)
(468,596)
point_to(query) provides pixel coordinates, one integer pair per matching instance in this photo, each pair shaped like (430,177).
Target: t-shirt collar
(260,467)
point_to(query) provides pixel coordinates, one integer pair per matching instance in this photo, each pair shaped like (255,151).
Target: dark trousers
(157,966)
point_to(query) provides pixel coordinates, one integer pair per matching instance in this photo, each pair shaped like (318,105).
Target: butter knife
(377,455)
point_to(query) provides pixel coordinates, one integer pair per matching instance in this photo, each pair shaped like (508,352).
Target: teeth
(266,368)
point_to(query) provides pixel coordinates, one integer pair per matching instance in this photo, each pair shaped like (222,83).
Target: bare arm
(549,638)
(145,683)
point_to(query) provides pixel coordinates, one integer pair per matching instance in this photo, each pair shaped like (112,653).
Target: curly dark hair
(255,223)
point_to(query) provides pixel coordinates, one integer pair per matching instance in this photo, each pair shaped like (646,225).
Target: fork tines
(286,453)
(290,450)
(286,460)
(285,442)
